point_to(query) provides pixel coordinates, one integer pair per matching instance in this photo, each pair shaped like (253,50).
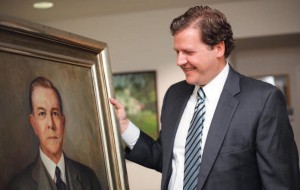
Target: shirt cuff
(131,135)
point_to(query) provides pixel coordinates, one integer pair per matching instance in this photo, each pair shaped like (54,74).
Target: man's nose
(50,122)
(181,59)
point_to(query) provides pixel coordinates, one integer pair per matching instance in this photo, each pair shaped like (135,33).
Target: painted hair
(46,83)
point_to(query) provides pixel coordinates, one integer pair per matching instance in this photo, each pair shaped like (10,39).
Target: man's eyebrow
(41,108)
(56,109)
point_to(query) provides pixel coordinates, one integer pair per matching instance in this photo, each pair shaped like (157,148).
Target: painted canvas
(79,68)
(137,91)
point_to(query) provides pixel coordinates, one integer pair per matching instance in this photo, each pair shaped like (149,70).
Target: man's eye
(189,52)
(41,113)
(55,113)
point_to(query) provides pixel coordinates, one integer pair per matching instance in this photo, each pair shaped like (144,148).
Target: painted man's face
(47,121)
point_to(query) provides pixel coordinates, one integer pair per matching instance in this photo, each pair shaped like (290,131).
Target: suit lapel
(176,110)
(72,175)
(177,106)
(41,176)
(44,181)
(221,120)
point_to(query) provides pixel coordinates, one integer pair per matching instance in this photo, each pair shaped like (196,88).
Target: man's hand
(121,114)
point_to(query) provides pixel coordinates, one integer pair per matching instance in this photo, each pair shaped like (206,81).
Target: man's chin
(191,81)
(54,149)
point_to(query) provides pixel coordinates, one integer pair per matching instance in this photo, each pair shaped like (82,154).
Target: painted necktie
(59,182)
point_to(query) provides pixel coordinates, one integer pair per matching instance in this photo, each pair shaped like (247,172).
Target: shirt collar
(214,88)
(50,165)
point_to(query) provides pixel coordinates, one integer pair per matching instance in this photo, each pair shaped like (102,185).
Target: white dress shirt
(50,166)
(212,92)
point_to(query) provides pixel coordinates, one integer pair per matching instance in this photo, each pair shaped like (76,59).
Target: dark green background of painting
(137,91)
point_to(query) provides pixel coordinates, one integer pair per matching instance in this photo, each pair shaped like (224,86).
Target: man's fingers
(115,103)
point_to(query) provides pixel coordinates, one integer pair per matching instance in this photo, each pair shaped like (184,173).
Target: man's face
(200,62)
(47,121)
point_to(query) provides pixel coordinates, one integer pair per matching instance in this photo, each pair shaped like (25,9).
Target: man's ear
(32,122)
(220,49)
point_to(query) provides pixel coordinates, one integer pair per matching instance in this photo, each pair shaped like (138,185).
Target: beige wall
(141,41)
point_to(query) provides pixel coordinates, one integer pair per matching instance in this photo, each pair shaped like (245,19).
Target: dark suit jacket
(250,143)
(36,177)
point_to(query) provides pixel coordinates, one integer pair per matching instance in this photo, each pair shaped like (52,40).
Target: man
(243,136)
(52,169)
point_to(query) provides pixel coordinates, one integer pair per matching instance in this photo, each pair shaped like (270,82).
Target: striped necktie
(193,144)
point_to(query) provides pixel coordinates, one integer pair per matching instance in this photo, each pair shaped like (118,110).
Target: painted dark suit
(250,143)
(35,177)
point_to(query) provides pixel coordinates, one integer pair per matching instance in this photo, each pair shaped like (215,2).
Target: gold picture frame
(80,69)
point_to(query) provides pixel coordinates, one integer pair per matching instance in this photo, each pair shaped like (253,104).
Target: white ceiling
(70,9)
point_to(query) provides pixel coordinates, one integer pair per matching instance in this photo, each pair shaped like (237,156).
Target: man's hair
(46,83)
(211,23)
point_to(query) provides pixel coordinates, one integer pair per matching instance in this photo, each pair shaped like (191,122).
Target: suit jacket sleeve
(277,155)
(146,152)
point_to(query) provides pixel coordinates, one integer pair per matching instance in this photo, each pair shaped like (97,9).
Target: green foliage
(147,122)
(137,91)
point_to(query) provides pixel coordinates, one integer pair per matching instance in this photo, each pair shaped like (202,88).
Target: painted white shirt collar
(50,166)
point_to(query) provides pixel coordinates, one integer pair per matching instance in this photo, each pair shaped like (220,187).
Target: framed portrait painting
(137,91)
(79,69)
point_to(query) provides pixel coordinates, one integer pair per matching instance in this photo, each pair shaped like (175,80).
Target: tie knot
(200,94)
